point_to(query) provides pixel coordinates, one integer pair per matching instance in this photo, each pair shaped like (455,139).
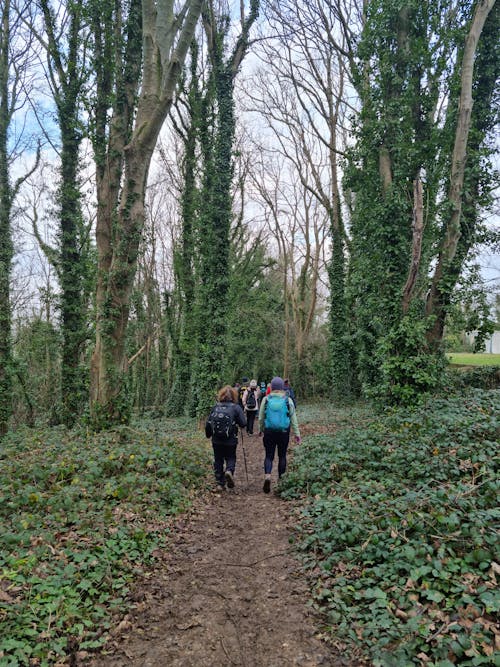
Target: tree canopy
(295,188)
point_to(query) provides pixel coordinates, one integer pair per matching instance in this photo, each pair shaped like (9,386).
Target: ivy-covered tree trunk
(67,74)
(215,216)
(12,69)
(164,38)
(406,197)
(6,249)
(341,355)
(460,225)
(182,310)
(387,161)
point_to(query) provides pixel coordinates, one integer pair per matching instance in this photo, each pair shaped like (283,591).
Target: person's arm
(294,422)
(240,418)
(208,429)
(244,398)
(262,414)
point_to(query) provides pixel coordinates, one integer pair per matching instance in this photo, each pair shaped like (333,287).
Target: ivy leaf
(435,596)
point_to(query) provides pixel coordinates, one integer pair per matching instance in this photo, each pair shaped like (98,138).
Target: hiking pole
(244,454)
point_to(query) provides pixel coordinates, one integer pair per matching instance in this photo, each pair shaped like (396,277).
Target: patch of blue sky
(34,124)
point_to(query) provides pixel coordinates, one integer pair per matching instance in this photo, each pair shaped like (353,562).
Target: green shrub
(484,377)
(409,371)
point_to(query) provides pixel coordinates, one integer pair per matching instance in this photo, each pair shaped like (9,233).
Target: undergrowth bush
(80,514)
(399,531)
(484,377)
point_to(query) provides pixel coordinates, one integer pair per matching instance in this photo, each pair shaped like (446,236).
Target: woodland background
(195,191)
(198,191)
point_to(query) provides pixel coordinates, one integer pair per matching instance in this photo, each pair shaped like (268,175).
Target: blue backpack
(277,413)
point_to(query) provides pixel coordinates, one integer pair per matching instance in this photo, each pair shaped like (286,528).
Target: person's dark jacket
(290,392)
(239,419)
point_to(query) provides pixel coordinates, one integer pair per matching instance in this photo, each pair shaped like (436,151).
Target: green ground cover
(470,359)
(399,531)
(80,517)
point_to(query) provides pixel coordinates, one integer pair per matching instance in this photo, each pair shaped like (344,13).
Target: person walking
(289,391)
(222,426)
(277,416)
(251,404)
(242,389)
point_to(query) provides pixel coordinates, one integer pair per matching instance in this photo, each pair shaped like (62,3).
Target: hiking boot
(267,484)
(229,479)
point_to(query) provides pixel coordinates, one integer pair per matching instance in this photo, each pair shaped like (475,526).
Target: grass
(470,359)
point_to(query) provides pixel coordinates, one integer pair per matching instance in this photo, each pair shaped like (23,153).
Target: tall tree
(301,95)
(148,50)
(14,58)
(180,304)
(217,139)
(404,153)
(300,229)
(468,180)
(67,73)
(205,120)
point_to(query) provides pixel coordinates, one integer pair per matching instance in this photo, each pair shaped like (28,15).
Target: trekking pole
(244,454)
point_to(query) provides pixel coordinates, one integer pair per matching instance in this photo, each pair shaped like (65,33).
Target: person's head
(227,395)
(285,382)
(253,384)
(262,385)
(277,384)
(244,380)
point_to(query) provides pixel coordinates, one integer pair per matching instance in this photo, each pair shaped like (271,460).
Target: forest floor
(228,590)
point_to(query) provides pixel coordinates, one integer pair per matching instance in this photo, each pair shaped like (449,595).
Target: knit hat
(244,380)
(277,383)
(253,383)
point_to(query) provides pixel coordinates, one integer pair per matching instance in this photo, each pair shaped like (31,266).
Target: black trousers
(251,414)
(223,454)
(273,440)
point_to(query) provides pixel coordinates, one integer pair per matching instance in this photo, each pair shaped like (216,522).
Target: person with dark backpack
(242,389)
(251,404)
(277,416)
(289,391)
(222,426)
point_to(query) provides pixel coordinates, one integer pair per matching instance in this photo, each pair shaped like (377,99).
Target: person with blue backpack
(277,416)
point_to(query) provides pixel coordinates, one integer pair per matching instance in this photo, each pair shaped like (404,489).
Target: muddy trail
(227,591)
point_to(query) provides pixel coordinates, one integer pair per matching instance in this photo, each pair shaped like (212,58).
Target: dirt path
(229,590)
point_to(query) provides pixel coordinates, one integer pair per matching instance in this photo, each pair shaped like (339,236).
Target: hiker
(242,389)
(251,404)
(222,426)
(289,391)
(276,416)
(262,392)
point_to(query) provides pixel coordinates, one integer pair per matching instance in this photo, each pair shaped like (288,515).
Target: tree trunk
(12,63)
(119,230)
(418,233)
(6,248)
(439,294)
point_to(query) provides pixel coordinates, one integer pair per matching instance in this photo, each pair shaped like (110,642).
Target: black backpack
(251,402)
(222,420)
